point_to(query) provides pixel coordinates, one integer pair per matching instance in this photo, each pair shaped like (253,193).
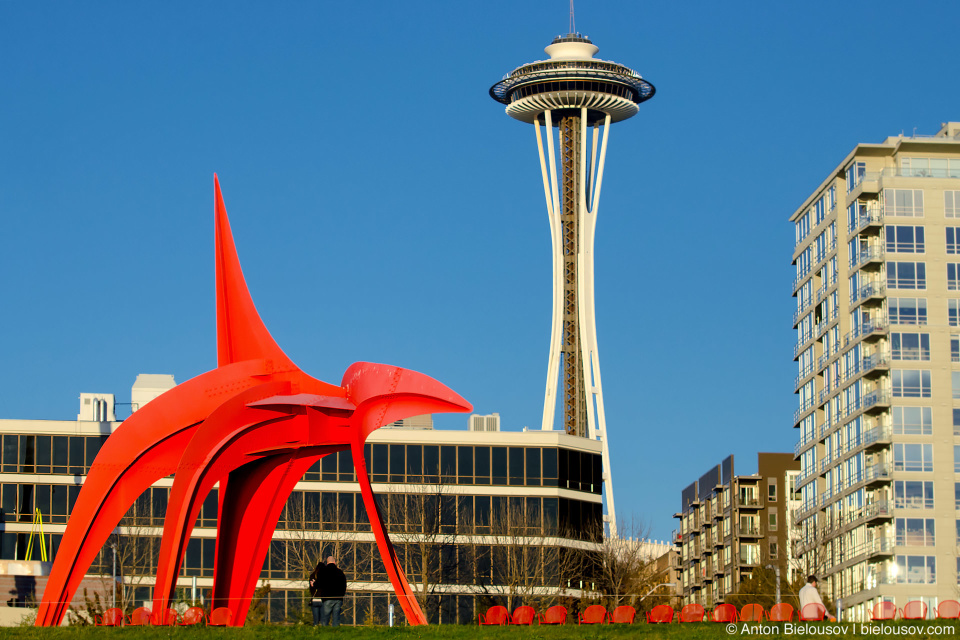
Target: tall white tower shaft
(578,96)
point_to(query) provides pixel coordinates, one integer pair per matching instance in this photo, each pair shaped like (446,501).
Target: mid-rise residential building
(477,517)
(731,525)
(877,288)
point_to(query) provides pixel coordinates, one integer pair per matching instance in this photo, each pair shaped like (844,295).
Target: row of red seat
(594,614)
(914,610)
(783,612)
(141,616)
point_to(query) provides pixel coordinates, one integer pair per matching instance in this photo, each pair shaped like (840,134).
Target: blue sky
(386,209)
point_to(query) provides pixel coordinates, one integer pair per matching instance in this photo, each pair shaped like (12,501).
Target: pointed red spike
(241,334)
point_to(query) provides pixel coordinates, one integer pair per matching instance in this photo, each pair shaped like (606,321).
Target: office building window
(903,202)
(910,346)
(907,310)
(951,204)
(913,494)
(911,383)
(904,239)
(916,532)
(912,421)
(912,457)
(916,570)
(953,276)
(907,275)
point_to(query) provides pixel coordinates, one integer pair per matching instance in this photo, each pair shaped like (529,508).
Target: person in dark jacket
(333,586)
(315,602)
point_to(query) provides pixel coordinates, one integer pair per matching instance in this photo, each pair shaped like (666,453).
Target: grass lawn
(923,630)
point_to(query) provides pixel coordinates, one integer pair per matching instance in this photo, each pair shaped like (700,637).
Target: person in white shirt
(809,594)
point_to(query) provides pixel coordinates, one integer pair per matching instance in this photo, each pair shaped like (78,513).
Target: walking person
(333,586)
(315,602)
(809,595)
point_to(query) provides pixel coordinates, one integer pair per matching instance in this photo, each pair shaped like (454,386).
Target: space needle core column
(573,93)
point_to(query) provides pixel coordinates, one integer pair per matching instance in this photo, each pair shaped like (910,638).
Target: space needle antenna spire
(571,100)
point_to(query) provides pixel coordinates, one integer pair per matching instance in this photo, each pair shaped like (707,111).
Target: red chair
(110,618)
(594,614)
(660,613)
(192,616)
(624,614)
(751,613)
(523,615)
(692,613)
(813,611)
(724,613)
(914,610)
(556,614)
(884,611)
(220,617)
(782,612)
(949,610)
(140,617)
(165,619)
(495,615)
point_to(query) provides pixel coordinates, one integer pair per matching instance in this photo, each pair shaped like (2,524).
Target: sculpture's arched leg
(96,515)
(256,425)
(408,601)
(251,506)
(145,448)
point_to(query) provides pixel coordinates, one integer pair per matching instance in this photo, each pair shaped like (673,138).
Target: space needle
(580,96)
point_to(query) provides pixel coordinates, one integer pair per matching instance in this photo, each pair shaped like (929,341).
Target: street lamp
(776,568)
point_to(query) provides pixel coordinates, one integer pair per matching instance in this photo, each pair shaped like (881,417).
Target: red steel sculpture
(254,425)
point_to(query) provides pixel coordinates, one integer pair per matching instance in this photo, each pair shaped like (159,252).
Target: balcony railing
(866,218)
(900,172)
(866,254)
(865,328)
(868,290)
(750,530)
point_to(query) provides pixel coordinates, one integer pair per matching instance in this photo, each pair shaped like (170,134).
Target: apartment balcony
(900,172)
(873,328)
(876,364)
(868,291)
(749,531)
(825,287)
(869,182)
(802,377)
(871,217)
(877,474)
(878,437)
(880,547)
(878,512)
(800,279)
(750,502)
(870,254)
(802,344)
(802,311)
(804,444)
(806,406)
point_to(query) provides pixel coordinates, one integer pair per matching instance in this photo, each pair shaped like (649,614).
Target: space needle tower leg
(573,93)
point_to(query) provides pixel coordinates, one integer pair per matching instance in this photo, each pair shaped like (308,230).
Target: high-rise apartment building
(878,350)
(732,525)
